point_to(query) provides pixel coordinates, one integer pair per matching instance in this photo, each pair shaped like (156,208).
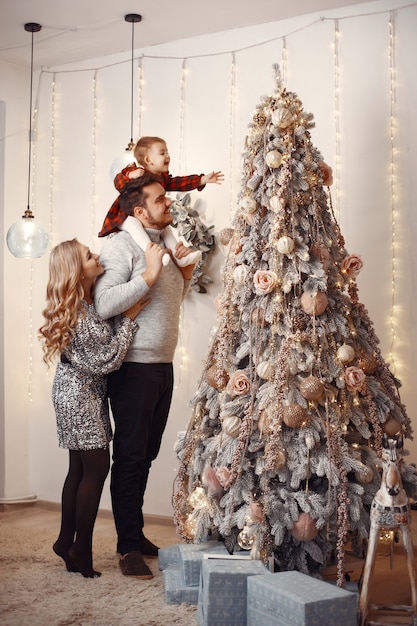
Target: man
(140,392)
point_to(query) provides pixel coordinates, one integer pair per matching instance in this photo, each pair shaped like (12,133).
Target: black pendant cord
(132,18)
(131,86)
(30,124)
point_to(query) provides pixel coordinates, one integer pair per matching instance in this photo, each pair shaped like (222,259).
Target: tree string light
(181,322)
(31,272)
(140,95)
(182,115)
(52,157)
(232,115)
(337,116)
(255,45)
(284,60)
(392,74)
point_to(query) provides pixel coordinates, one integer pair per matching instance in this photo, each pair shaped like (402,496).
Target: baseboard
(162,520)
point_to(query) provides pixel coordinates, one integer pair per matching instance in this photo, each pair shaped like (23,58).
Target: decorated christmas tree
(282,453)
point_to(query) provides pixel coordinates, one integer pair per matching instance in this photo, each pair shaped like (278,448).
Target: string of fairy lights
(181,351)
(94,160)
(336,64)
(284,39)
(393,316)
(232,139)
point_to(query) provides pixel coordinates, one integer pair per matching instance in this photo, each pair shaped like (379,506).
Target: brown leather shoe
(132,564)
(148,548)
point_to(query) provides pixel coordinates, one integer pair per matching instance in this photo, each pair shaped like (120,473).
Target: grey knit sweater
(122,285)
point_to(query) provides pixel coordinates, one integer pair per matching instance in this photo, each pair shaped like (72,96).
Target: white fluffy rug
(36,589)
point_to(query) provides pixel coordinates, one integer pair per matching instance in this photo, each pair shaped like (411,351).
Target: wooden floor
(390,583)
(47,516)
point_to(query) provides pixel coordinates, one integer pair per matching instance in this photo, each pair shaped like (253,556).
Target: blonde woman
(88,348)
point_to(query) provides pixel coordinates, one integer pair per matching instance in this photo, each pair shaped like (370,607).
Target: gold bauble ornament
(274,203)
(365,477)
(273,158)
(314,303)
(216,378)
(245,538)
(312,388)
(391,427)
(240,274)
(225,236)
(265,370)
(231,425)
(304,529)
(282,117)
(299,321)
(368,363)
(285,245)
(264,422)
(280,461)
(294,415)
(247,204)
(346,353)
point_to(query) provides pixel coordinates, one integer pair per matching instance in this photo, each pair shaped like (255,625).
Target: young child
(151,154)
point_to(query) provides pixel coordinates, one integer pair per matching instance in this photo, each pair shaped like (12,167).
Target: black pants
(140,398)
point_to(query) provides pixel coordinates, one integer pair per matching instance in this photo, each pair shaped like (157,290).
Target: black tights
(80,500)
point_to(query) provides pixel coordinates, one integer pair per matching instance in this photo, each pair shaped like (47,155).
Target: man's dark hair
(134,193)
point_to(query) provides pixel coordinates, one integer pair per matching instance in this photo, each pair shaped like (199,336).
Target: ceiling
(75,30)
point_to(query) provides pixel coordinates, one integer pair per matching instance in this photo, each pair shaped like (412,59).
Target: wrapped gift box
(295,599)
(223,590)
(191,556)
(168,556)
(176,591)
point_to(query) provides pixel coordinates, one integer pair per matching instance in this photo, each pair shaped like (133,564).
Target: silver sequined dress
(80,386)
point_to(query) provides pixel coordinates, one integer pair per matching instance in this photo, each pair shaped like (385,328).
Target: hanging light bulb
(127,157)
(27,239)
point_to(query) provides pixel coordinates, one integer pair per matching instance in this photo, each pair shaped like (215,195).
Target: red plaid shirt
(115,216)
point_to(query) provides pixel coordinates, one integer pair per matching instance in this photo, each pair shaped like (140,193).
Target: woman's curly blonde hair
(64,293)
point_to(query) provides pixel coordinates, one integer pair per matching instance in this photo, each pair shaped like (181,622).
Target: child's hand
(137,173)
(213,177)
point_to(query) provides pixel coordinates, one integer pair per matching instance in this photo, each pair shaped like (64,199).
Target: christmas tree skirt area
(182,566)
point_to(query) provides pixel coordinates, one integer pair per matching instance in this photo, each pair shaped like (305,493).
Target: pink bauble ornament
(320,252)
(256,512)
(312,388)
(314,303)
(294,415)
(304,529)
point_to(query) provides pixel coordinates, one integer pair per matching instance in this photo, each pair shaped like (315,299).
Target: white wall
(83,123)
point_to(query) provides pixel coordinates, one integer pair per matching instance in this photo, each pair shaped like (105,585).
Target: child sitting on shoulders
(151,154)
